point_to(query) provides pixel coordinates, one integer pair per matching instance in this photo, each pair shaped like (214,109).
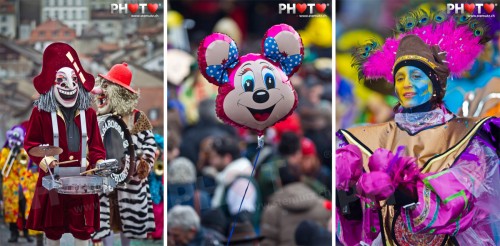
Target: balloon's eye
(269,79)
(248,81)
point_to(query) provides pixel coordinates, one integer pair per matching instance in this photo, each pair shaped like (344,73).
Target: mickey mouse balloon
(255,90)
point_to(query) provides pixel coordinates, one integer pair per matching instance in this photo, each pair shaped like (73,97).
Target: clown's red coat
(48,210)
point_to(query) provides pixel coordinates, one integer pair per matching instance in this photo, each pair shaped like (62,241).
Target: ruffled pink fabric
(380,160)
(405,174)
(349,166)
(388,172)
(375,186)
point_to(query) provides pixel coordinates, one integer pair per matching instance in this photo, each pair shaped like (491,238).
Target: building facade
(74,13)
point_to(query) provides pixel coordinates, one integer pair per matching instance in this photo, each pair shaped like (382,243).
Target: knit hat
(308,147)
(181,171)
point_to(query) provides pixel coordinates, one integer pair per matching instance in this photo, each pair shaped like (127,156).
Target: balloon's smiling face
(66,87)
(262,95)
(254,89)
(413,86)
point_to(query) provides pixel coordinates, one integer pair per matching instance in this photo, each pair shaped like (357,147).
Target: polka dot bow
(219,72)
(288,63)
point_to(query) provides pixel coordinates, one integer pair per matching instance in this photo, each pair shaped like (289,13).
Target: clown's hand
(142,169)
(48,161)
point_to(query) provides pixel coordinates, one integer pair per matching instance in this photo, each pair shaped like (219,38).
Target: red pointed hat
(121,75)
(56,56)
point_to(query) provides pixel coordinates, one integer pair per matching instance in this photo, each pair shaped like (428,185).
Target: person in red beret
(62,117)
(128,209)
(315,175)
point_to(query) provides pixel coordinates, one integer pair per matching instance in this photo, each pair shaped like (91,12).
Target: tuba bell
(23,158)
(159,168)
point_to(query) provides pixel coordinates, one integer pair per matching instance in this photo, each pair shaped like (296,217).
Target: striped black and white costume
(134,200)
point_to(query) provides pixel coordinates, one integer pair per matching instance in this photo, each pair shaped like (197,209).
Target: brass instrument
(23,158)
(10,160)
(159,168)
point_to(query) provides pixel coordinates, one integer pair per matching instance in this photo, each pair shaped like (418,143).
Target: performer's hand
(142,169)
(53,164)
(96,163)
(48,162)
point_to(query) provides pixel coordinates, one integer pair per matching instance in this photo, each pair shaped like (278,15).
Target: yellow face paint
(413,86)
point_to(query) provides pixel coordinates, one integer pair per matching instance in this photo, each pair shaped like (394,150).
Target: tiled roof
(52,30)
(108,47)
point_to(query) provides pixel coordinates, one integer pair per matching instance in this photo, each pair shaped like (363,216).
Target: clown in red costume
(64,108)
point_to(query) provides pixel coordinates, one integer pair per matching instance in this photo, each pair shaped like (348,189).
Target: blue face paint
(413,86)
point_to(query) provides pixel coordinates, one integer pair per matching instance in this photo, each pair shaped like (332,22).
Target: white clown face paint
(66,87)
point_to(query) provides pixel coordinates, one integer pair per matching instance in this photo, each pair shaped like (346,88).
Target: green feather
(361,54)
(422,17)
(462,19)
(439,17)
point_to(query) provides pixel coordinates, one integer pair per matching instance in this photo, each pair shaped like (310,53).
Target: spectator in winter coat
(288,207)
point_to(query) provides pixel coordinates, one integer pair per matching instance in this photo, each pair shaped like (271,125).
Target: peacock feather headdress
(457,39)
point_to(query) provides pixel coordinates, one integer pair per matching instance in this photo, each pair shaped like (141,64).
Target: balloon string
(244,194)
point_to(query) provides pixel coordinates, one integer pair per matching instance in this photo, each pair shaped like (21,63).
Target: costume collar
(416,122)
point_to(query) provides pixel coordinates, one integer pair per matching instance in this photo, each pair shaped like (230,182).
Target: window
(64,15)
(4,18)
(74,14)
(52,2)
(4,29)
(83,14)
(55,33)
(66,33)
(55,15)
(41,33)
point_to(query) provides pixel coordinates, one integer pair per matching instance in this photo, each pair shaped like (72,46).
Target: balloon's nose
(96,91)
(260,96)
